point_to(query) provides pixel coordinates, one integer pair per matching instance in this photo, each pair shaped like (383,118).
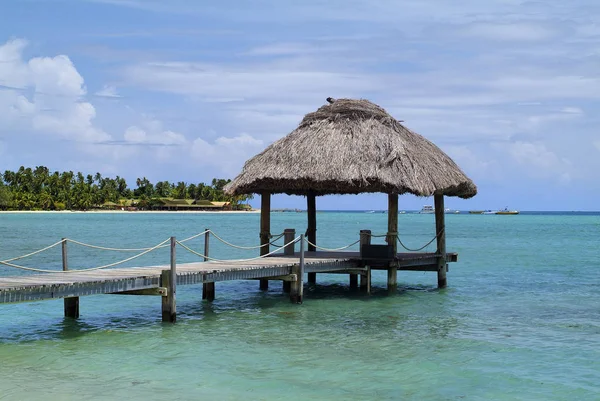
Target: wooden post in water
(311,231)
(365,278)
(297,291)
(392,239)
(208,289)
(168,279)
(440,229)
(265,230)
(71,304)
(288,236)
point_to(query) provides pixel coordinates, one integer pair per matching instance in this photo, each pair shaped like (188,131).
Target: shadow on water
(236,301)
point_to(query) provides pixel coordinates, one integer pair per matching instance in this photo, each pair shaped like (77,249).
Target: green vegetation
(40,189)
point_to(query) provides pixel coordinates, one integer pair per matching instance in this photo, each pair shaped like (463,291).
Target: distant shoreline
(130,211)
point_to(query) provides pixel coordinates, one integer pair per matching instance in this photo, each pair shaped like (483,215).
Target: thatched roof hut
(350,147)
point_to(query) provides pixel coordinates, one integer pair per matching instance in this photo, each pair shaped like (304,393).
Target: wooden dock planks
(35,287)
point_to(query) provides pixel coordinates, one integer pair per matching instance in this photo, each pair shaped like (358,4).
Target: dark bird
(330,100)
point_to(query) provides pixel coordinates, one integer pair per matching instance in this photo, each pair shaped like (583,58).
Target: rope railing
(424,246)
(86,269)
(237,260)
(331,249)
(104,248)
(402,244)
(32,253)
(245,247)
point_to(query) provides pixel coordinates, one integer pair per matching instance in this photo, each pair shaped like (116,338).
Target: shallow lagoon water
(520,319)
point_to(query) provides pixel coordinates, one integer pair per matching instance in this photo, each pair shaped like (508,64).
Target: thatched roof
(350,147)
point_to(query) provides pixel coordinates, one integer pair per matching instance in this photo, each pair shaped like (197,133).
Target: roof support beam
(265,230)
(311,231)
(440,229)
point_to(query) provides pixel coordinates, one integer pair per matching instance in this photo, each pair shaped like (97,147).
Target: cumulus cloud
(226,154)
(540,161)
(44,94)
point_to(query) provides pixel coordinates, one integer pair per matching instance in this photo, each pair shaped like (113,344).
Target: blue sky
(189,90)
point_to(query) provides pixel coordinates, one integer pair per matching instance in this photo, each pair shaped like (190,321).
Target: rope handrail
(104,248)
(331,249)
(424,246)
(32,253)
(87,269)
(245,247)
(237,260)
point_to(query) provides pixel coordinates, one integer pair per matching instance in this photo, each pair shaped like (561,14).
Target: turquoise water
(520,319)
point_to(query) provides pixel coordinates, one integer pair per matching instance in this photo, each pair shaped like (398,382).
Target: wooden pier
(288,266)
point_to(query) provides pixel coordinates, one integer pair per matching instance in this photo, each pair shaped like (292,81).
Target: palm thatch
(350,147)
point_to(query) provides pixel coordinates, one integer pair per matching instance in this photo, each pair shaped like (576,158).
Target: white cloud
(54,87)
(226,154)
(510,31)
(138,136)
(540,161)
(108,91)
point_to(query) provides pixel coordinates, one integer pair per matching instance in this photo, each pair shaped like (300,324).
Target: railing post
(71,304)
(208,289)
(169,280)
(297,291)
(288,236)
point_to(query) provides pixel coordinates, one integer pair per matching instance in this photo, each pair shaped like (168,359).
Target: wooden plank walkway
(43,286)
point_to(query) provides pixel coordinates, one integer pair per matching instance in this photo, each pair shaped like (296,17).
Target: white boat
(370,211)
(450,211)
(489,212)
(427,209)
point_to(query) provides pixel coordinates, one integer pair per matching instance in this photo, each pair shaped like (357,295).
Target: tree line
(40,189)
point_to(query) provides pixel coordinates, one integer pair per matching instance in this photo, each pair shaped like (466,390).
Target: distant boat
(450,211)
(427,209)
(489,212)
(370,211)
(506,211)
(401,212)
(476,211)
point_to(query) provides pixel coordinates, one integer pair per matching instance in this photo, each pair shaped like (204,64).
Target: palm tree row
(40,189)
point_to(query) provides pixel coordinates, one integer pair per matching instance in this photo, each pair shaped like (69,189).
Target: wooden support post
(440,229)
(353,281)
(288,236)
(71,304)
(392,239)
(168,279)
(297,292)
(265,230)
(311,231)
(208,289)
(365,281)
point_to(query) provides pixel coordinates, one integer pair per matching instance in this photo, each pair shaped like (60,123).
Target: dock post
(392,240)
(440,232)
(365,238)
(288,236)
(168,279)
(71,304)
(208,289)
(265,230)
(297,293)
(365,278)
(311,231)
